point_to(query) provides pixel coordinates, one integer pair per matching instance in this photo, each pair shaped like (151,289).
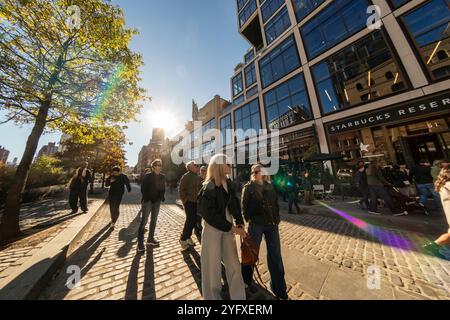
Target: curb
(28,280)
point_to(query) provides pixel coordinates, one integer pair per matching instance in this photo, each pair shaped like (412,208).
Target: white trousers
(218,247)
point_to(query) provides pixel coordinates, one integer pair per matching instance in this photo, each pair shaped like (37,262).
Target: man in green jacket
(190,186)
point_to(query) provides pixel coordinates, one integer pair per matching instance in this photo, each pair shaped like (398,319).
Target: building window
(428,25)
(249,56)
(252,92)
(225,127)
(287,104)
(239,100)
(270,7)
(237,85)
(366,61)
(241,4)
(335,23)
(250,75)
(209,125)
(398,3)
(246,118)
(247,12)
(279,62)
(304,7)
(277,25)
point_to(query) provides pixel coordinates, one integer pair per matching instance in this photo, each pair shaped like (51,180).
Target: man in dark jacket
(424,181)
(117,183)
(190,186)
(363,187)
(260,209)
(153,191)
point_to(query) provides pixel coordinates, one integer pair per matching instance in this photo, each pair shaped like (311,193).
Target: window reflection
(357,74)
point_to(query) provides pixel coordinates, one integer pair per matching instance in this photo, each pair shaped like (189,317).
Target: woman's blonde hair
(216,172)
(443,178)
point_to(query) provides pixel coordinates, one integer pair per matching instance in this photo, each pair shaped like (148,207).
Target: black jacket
(260,208)
(153,188)
(422,174)
(117,188)
(212,204)
(361,180)
(399,177)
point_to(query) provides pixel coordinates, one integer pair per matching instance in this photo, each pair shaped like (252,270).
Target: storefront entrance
(426,147)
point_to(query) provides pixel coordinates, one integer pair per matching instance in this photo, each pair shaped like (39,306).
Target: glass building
(327,77)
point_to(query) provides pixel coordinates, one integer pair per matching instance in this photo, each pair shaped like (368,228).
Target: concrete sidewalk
(26,269)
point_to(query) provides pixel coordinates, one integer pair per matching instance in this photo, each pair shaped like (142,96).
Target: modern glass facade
(247,12)
(429,28)
(363,71)
(225,126)
(384,90)
(279,62)
(287,104)
(338,21)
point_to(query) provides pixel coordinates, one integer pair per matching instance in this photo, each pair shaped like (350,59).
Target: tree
(63,74)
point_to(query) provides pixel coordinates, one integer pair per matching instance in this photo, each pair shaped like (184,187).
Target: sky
(190,48)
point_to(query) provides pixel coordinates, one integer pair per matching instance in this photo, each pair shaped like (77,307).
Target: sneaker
(404,213)
(190,242)
(184,245)
(153,243)
(375,213)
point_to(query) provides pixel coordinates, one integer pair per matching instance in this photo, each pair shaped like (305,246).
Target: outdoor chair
(319,191)
(329,193)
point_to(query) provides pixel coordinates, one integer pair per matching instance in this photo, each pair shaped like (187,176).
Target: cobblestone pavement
(41,222)
(110,268)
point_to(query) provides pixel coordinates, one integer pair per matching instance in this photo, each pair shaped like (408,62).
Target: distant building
(4,154)
(157,147)
(64,138)
(48,150)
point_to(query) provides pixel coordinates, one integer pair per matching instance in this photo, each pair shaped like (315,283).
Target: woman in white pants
(442,186)
(219,206)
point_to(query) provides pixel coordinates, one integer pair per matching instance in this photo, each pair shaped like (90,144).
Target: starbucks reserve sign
(404,111)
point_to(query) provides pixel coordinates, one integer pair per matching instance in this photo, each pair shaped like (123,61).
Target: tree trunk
(9,220)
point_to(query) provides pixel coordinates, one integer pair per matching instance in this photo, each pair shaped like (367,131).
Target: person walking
(78,189)
(307,185)
(377,189)
(261,210)
(219,206)
(400,180)
(363,187)
(153,191)
(190,186)
(117,182)
(442,186)
(199,227)
(421,174)
(292,193)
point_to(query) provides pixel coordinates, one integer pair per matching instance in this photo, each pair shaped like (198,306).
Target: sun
(162,119)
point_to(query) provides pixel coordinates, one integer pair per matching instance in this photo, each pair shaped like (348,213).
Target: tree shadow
(85,252)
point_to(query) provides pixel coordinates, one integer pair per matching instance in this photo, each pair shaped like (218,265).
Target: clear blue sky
(190,48)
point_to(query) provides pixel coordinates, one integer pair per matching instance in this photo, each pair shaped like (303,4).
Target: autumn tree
(63,64)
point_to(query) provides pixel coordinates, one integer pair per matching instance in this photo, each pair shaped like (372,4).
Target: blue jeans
(148,207)
(425,191)
(274,260)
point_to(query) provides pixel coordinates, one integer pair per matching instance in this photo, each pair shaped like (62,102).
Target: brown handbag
(249,252)
(250,256)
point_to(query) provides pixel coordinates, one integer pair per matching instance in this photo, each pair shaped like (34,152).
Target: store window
(429,28)
(357,74)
